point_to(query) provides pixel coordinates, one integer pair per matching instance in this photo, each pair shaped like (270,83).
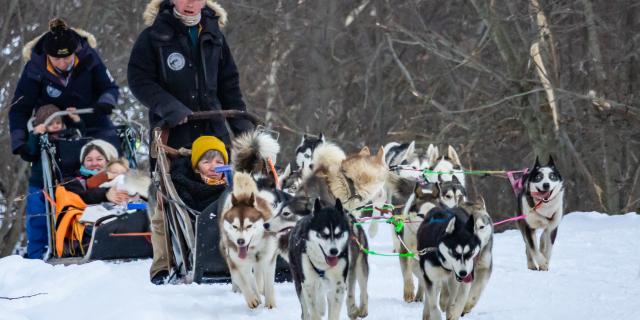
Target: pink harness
(517,180)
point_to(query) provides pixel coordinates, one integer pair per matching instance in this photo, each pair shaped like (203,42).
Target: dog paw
(235,288)
(353,313)
(364,312)
(409,297)
(544,267)
(270,304)
(532,267)
(253,302)
(418,298)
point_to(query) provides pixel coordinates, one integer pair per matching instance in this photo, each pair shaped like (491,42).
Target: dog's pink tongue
(468,278)
(542,195)
(331,261)
(242,252)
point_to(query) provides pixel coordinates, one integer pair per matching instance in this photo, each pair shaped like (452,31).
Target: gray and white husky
(542,201)
(319,260)
(448,246)
(281,224)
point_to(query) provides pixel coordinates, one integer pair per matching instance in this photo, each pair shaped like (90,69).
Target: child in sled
(68,128)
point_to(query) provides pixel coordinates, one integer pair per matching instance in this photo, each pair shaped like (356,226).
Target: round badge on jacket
(175,61)
(53,92)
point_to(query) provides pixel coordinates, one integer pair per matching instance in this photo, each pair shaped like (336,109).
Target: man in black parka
(182,64)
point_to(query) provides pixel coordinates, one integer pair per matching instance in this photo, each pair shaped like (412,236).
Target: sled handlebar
(206,115)
(59,114)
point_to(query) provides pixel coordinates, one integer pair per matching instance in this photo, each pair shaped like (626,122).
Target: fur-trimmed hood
(28,48)
(153,7)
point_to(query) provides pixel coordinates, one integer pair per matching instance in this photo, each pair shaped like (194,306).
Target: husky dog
(134,182)
(355,180)
(304,152)
(447,245)
(483,264)
(319,259)
(249,252)
(444,163)
(542,201)
(281,224)
(290,180)
(426,196)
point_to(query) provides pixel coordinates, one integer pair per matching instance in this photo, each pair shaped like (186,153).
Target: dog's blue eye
(553,177)
(538,177)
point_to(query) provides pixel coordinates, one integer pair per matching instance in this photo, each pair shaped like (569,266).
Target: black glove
(102,108)
(23,151)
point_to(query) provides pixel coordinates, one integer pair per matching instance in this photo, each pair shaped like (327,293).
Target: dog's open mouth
(331,261)
(284,231)
(542,195)
(467,279)
(242,252)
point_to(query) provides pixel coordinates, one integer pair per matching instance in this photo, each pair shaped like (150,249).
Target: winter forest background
(500,80)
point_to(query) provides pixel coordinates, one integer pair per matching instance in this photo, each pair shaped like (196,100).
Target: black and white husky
(319,260)
(304,152)
(542,201)
(446,194)
(448,246)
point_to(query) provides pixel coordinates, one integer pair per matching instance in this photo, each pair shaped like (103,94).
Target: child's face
(115,170)
(55,126)
(207,167)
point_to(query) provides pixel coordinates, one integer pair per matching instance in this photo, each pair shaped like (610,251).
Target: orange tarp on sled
(69,208)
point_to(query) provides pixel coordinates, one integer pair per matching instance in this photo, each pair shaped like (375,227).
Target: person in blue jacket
(63,69)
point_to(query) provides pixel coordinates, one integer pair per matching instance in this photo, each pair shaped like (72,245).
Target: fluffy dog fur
(250,253)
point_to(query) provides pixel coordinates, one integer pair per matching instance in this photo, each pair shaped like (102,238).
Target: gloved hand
(23,151)
(102,108)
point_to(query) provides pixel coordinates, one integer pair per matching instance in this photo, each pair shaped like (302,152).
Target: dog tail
(252,147)
(244,185)
(329,156)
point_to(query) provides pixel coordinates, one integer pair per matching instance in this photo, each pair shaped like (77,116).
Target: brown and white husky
(249,251)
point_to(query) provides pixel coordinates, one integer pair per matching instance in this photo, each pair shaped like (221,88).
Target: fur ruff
(153,7)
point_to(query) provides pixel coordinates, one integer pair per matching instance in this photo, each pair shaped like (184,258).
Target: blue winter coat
(90,83)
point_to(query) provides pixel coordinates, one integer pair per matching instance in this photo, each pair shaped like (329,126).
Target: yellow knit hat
(204,144)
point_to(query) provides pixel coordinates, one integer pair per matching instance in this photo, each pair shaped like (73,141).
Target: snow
(595,274)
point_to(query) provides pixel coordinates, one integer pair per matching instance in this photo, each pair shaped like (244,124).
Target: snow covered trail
(595,274)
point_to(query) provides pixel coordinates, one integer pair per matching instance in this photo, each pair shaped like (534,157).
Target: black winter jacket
(174,78)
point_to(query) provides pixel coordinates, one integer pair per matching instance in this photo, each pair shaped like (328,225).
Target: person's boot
(160,277)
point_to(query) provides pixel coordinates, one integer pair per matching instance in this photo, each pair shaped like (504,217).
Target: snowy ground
(595,274)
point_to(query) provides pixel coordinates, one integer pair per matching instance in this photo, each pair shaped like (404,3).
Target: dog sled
(192,236)
(111,237)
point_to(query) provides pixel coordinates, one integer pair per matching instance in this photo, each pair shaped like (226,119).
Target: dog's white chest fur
(546,214)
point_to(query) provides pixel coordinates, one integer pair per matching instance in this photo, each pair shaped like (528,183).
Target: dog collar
(318,271)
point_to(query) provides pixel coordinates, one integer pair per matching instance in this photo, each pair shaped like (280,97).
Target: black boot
(160,277)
